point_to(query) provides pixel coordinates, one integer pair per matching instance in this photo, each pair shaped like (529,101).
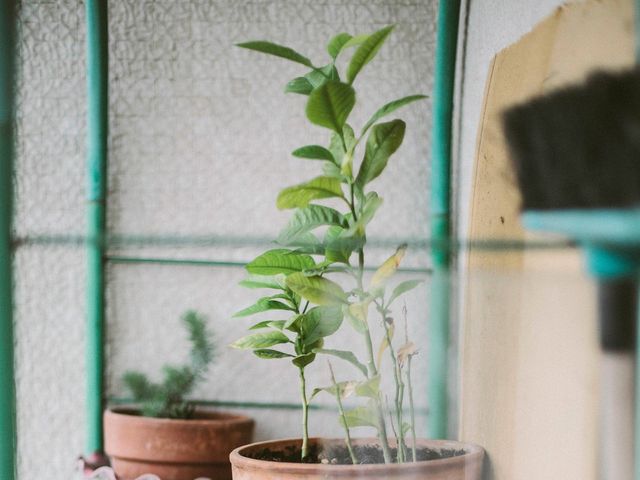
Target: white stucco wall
(487,26)
(199,146)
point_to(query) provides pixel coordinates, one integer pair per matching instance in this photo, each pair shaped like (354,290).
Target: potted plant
(317,280)
(165,434)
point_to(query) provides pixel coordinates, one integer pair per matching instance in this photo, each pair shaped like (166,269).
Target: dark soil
(339,455)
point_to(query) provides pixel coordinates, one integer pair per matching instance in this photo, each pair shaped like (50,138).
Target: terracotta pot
(463,467)
(174,449)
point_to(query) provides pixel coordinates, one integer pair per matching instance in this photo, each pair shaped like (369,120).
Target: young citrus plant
(321,243)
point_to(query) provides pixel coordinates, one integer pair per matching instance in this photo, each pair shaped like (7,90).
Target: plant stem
(393,427)
(399,400)
(412,412)
(354,460)
(304,451)
(371,366)
(373,371)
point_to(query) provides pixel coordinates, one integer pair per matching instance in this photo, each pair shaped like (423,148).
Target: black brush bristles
(579,147)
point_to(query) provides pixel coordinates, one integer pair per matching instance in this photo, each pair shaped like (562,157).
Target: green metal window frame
(7,376)
(97,134)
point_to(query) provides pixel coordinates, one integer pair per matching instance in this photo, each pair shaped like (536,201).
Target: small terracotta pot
(174,449)
(462,467)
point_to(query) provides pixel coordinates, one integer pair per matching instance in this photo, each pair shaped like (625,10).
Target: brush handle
(617,303)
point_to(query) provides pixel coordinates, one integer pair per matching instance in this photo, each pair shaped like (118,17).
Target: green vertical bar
(97,123)
(447,36)
(637,375)
(7,379)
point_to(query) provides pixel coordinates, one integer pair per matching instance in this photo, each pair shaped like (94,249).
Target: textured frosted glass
(200,142)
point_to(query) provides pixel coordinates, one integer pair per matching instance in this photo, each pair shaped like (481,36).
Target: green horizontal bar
(452,246)
(256,405)
(188,241)
(215,263)
(176,261)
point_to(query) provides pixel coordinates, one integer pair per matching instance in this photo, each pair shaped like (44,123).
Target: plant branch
(410,387)
(304,451)
(354,460)
(397,377)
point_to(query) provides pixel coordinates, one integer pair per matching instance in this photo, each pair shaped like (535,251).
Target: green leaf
(320,322)
(357,40)
(299,85)
(308,218)
(369,388)
(371,204)
(279,261)
(277,50)
(319,77)
(313,152)
(344,355)
(366,51)
(337,43)
(293,323)
(339,245)
(326,266)
(269,354)
(307,243)
(349,136)
(357,314)
(302,361)
(383,141)
(329,105)
(403,288)
(332,170)
(346,389)
(262,305)
(336,147)
(277,324)
(390,107)
(318,290)
(260,340)
(299,196)
(361,417)
(275,282)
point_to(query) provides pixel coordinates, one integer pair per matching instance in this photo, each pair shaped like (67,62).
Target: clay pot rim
(472,451)
(219,417)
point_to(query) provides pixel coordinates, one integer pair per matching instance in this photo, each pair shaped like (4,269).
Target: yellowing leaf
(409,349)
(388,268)
(346,389)
(384,344)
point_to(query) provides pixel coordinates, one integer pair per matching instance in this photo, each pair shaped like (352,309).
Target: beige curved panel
(529,361)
